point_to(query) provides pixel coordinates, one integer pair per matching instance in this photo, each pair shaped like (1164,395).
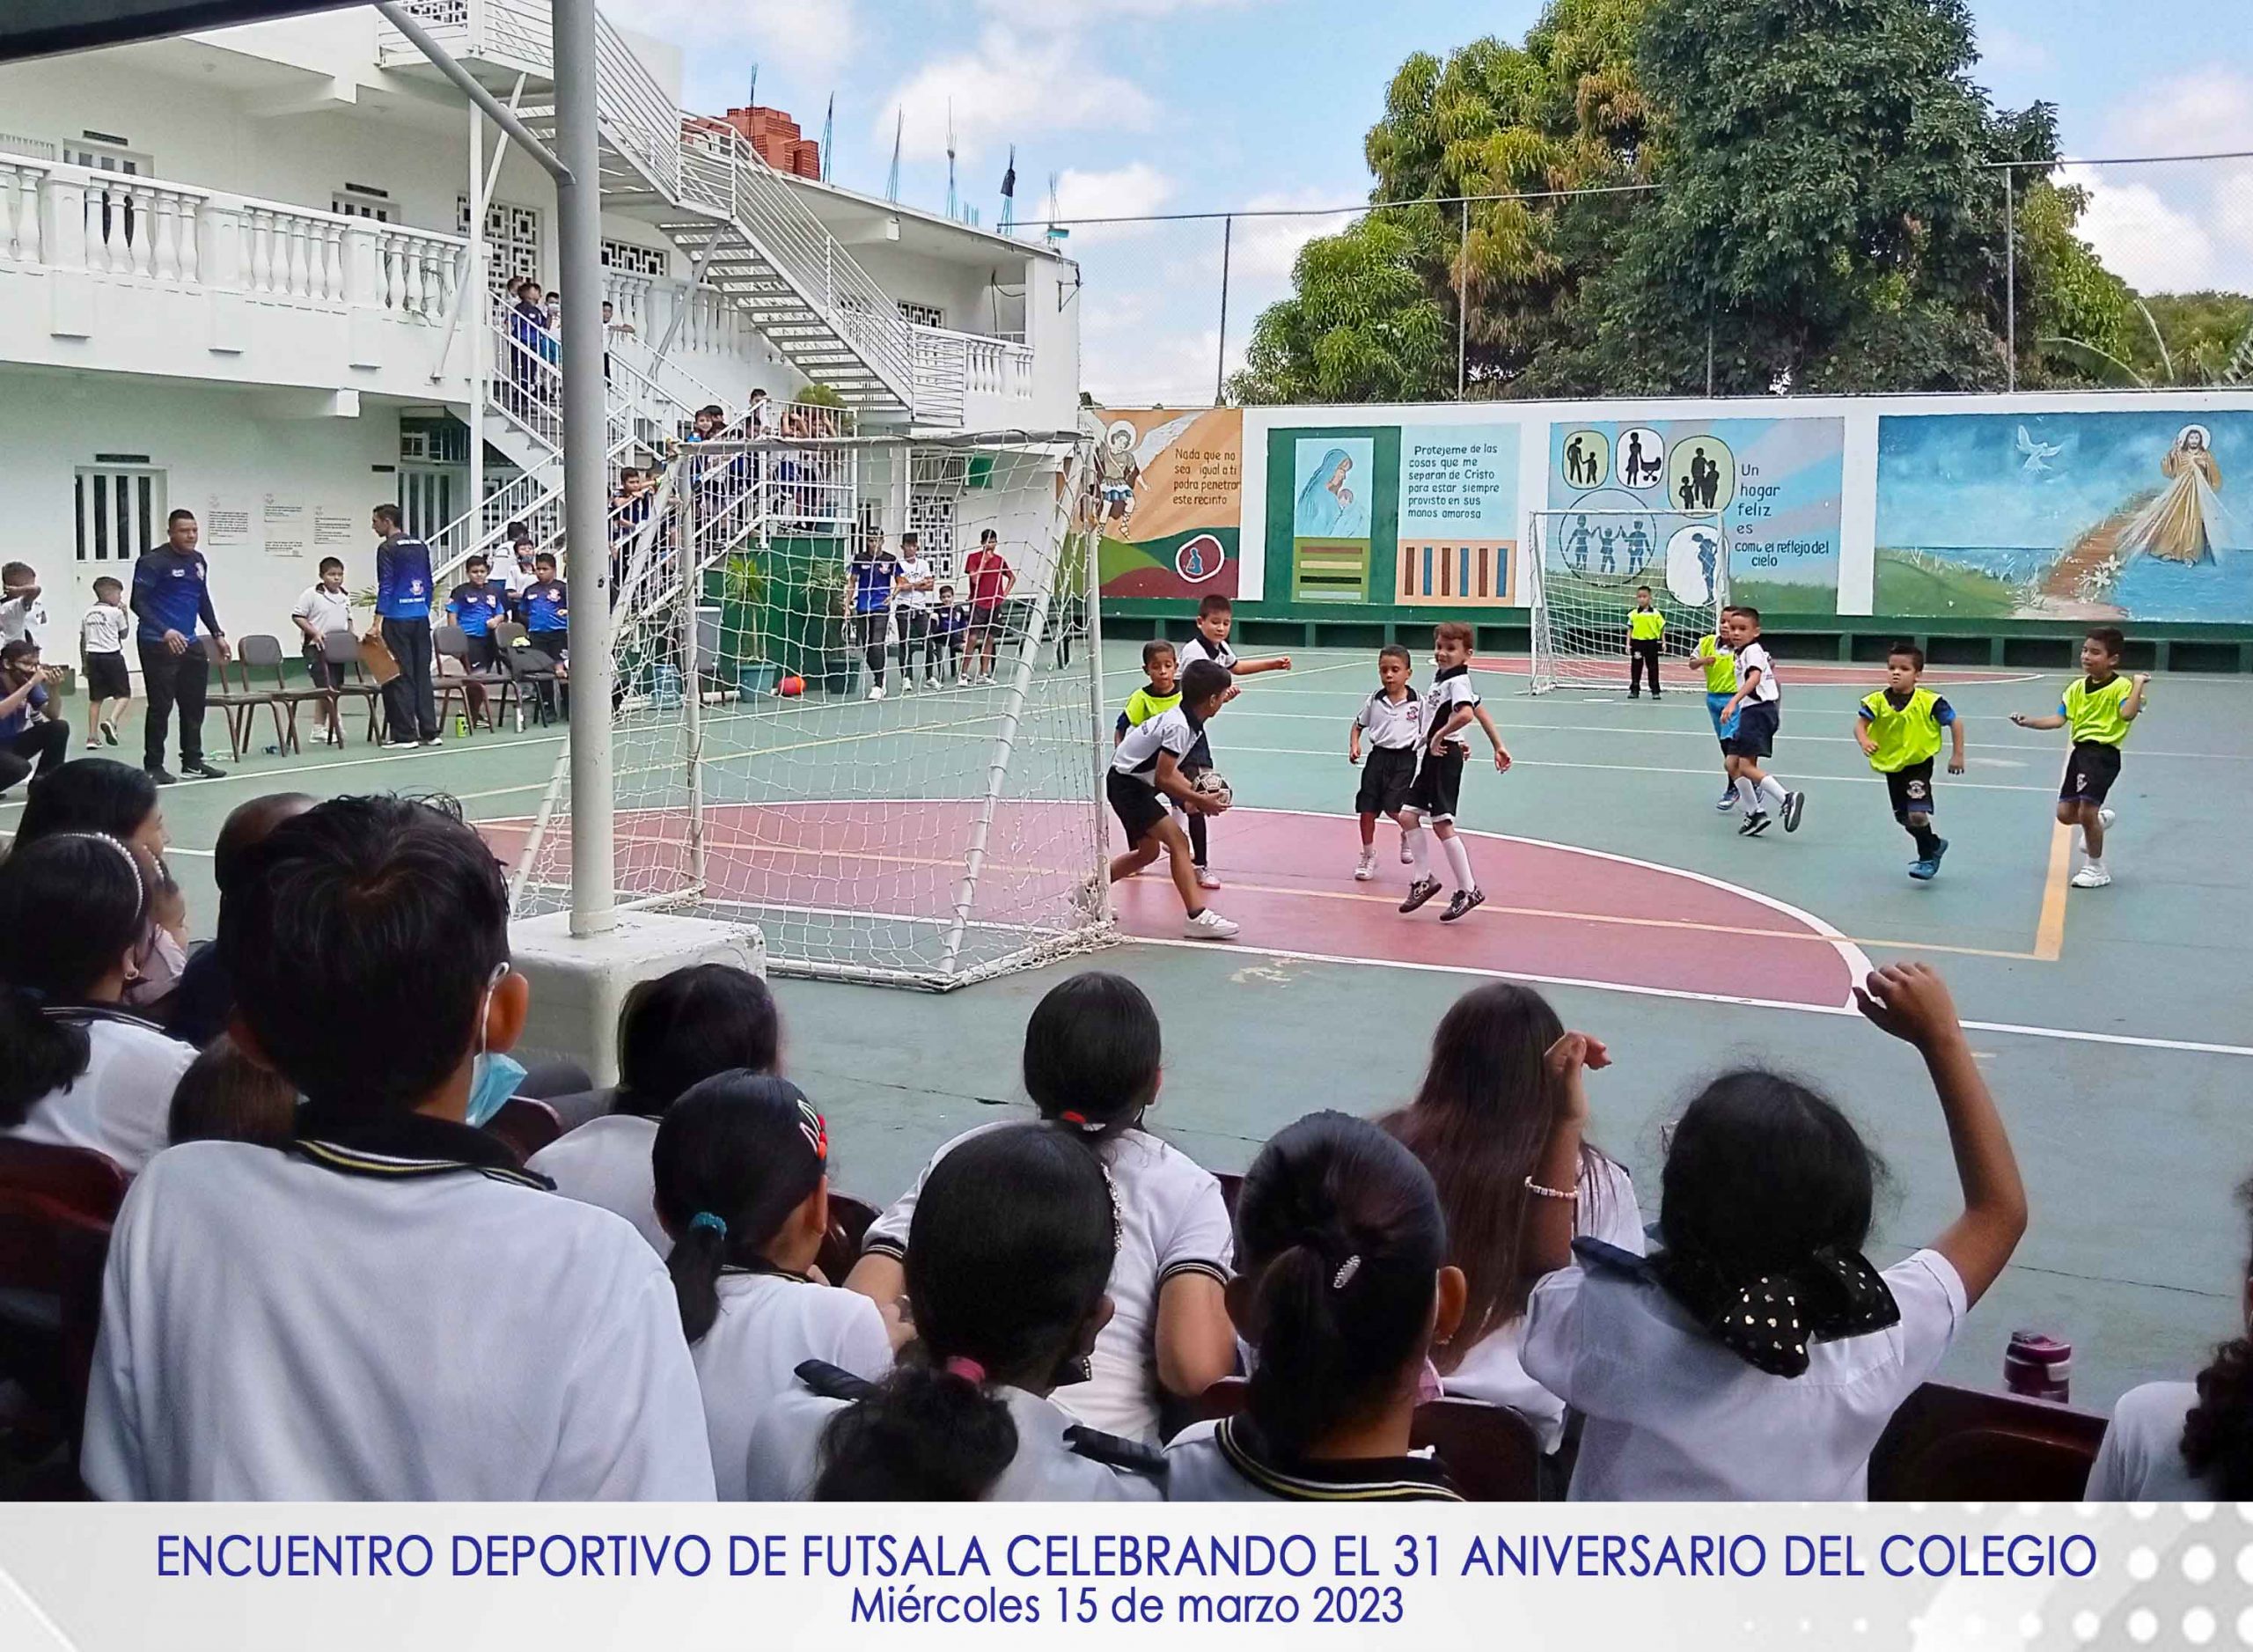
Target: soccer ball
(790,687)
(1212,783)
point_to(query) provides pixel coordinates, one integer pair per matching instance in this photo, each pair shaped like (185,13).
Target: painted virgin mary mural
(1329,506)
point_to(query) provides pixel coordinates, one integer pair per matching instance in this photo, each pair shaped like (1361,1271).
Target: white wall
(210,442)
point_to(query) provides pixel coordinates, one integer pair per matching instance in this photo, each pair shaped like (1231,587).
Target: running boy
(2099,706)
(1898,729)
(1149,766)
(1758,706)
(478,604)
(1394,717)
(102,644)
(1450,704)
(1645,626)
(1215,615)
(1721,686)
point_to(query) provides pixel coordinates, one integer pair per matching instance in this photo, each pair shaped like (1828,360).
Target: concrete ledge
(578,983)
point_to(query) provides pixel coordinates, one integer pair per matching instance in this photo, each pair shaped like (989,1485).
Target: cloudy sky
(1140,107)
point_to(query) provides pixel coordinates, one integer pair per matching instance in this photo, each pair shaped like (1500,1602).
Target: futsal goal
(897,783)
(1585,567)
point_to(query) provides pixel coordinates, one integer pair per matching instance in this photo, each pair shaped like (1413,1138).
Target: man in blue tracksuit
(172,591)
(403,584)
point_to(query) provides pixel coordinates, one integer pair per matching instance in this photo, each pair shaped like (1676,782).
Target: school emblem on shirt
(1918,789)
(413,587)
(1199,558)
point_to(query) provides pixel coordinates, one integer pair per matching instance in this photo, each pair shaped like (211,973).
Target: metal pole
(1461,301)
(1220,355)
(1709,352)
(2010,272)
(1099,739)
(691,684)
(474,295)
(502,116)
(578,203)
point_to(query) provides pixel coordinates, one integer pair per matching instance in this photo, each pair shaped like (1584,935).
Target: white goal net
(890,762)
(1586,566)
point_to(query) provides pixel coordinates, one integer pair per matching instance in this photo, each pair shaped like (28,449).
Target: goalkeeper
(1146,771)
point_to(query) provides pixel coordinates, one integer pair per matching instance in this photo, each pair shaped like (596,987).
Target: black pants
(175,679)
(44,744)
(410,703)
(916,637)
(483,653)
(553,644)
(1643,652)
(870,630)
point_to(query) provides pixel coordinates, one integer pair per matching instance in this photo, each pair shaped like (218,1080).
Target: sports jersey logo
(1918,789)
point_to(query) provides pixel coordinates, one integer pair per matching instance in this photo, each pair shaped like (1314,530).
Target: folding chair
(57,1206)
(348,679)
(263,653)
(532,674)
(236,700)
(1950,1445)
(452,644)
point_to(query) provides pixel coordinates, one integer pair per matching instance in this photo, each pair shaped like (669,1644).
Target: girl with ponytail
(1011,1244)
(76,1071)
(2186,1442)
(1344,1290)
(741,1165)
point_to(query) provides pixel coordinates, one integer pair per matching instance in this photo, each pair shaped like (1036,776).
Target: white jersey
(2141,1458)
(1751,658)
(914,568)
(1450,690)
(1201,647)
(1223,1463)
(1172,1221)
(769,1325)
(122,1104)
(1136,755)
(606,1162)
(325,610)
(21,617)
(416,1323)
(104,630)
(1392,725)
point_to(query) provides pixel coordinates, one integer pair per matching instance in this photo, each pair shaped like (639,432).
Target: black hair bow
(1769,1320)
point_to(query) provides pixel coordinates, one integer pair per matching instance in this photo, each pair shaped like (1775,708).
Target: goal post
(892,766)
(1585,566)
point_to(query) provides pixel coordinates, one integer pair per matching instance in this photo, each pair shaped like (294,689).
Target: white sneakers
(1208,925)
(876,693)
(1365,867)
(1205,878)
(2092,876)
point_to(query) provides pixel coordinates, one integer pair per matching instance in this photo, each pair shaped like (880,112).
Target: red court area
(1554,912)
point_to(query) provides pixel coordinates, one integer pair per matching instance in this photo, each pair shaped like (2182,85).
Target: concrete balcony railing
(959,375)
(127,262)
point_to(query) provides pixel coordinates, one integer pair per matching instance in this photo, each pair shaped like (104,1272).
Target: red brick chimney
(778,141)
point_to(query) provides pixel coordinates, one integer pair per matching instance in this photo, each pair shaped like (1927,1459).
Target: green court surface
(2115,1026)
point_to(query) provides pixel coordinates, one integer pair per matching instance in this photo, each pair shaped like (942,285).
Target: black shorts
(1387,773)
(1438,785)
(984,623)
(2089,772)
(1911,789)
(1757,721)
(1135,802)
(107,679)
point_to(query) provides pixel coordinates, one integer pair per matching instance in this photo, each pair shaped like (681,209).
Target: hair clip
(962,1366)
(1346,1269)
(1081,1121)
(706,1219)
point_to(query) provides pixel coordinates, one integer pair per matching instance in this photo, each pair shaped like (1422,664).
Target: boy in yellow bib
(1899,729)
(1646,627)
(1721,689)
(2099,706)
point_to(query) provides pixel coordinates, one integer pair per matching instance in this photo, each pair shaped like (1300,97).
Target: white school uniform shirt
(1673,1416)
(1449,690)
(917,567)
(769,1325)
(122,1104)
(786,1445)
(1753,657)
(1136,754)
(1172,1221)
(2141,1458)
(104,630)
(1220,1463)
(1200,647)
(1390,726)
(1492,1369)
(276,1327)
(21,617)
(606,1162)
(327,610)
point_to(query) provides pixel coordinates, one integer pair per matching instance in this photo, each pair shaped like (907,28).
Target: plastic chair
(849,1220)
(348,678)
(236,700)
(57,1206)
(263,653)
(1491,1453)
(526,1125)
(1950,1445)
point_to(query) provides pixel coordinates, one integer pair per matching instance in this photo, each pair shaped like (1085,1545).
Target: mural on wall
(1165,494)
(1333,495)
(2065,516)
(1458,515)
(1775,484)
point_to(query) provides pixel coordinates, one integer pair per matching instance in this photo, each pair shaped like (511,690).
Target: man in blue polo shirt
(172,591)
(403,584)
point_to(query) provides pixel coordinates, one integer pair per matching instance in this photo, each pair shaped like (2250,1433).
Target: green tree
(1360,327)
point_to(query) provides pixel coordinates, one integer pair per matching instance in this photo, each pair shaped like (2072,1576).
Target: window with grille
(922,314)
(931,519)
(630,260)
(120,511)
(354,202)
(512,241)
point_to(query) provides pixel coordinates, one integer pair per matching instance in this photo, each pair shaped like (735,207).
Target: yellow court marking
(2049,929)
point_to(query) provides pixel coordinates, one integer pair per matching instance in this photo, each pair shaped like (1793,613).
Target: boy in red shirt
(991,580)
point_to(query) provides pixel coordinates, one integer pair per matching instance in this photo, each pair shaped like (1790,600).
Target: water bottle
(2038,1367)
(666,696)
(461,726)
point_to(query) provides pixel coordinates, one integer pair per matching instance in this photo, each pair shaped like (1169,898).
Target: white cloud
(2008,52)
(2149,243)
(2197,114)
(1009,88)
(1133,191)
(1081,17)
(793,36)
(1263,249)
(2175,226)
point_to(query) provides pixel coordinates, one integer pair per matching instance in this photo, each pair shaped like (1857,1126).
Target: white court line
(2072,1034)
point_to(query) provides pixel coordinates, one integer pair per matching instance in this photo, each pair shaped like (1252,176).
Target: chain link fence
(1169,303)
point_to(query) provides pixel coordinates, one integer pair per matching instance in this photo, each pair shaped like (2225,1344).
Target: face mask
(493,1078)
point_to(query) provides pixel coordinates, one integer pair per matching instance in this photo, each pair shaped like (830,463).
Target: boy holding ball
(1146,769)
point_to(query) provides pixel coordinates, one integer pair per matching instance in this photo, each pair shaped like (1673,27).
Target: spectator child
(1450,706)
(991,579)
(1899,729)
(2185,1442)
(101,648)
(1006,1292)
(1477,1123)
(97,793)
(1393,717)
(2098,706)
(742,1168)
(673,1033)
(918,589)
(324,609)
(20,613)
(1149,769)
(30,733)
(478,604)
(403,1312)
(224,1096)
(1215,618)
(1689,1390)
(203,1001)
(1346,1289)
(950,628)
(1091,1065)
(74,1069)
(545,608)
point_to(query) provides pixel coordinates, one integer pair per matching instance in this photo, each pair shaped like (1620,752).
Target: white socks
(1411,839)
(1458,860)
(1749,795)
(1771,791)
